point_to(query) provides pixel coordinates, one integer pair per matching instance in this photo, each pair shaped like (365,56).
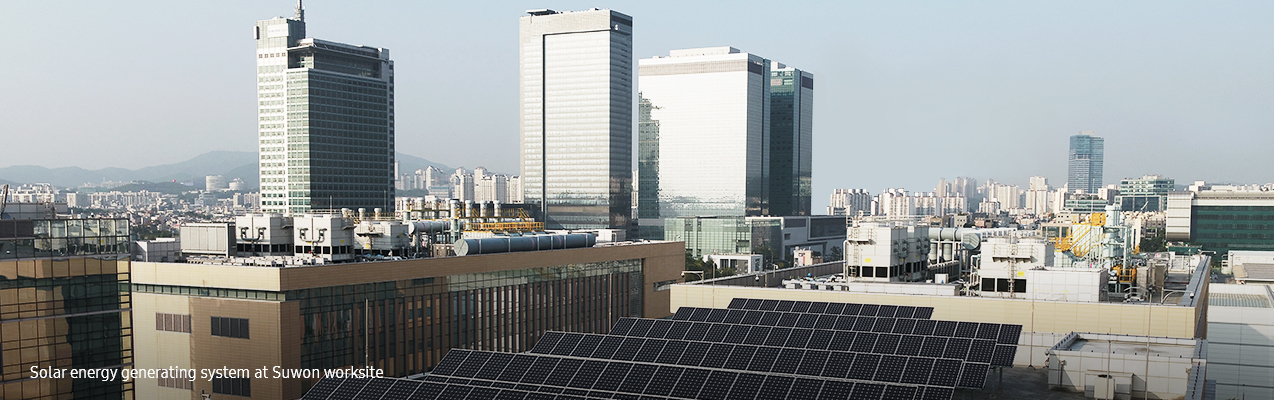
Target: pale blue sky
(906,92)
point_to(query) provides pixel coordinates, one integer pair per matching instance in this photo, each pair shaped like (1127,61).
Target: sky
(906,92)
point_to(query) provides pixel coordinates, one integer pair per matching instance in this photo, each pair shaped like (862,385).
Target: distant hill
(230,164)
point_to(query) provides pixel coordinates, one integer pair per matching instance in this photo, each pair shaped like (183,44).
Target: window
(230,327)
(172,322)
(232,386)
(176,383)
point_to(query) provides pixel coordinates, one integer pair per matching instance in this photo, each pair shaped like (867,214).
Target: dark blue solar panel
(697,331)
(612,376)
(546,342)
(323,388)
(738,303)
(864,367)
(690,383)
(567,344)
(813,362)
(973,375)
(944,328)
(717,355)
(826,321)
(905,312)
(763,359)
(890,368)
(737,333)
(746,386)
(806,320)
(924,327)
(818,307)
(565,370)
(1009,334)
(671,352)
(909,345)
(933,346)
(988,331)
(945,372)
(716,315)
(608,347)
(483,393)
(588,374)
(622,326)
(835,308)
(768,305)
(663,381)
(752,317)
(886,344)
(757,335)
(638,378)
(450,362)
(517,367)
(801,306)
(694,353)
(734,316)
(838,365)
(472,364)
(820,339)
(842,341)
(852,309)
(717,385)
(700,314)
(981,351)
(900,393)
(650,350)
(838,390)
(778,336)
(864,323)
(787,361)
(628,349)
(917,371)
(799,338)
(923,313)
(966,329)
(539,371)
(752,304)
(904,326)
(784,305)
(788,319)
(659,329)
(883,325)
(769,318)
(640,327)
(682,314)
(775,387)
(587,345)
(869,310)
(867,391)
(1004,355)
(864,342)
(957,348)
(740,358)
(428,390)
(805,388)
(678,330)
(887,310)
(937,393)
(494,366)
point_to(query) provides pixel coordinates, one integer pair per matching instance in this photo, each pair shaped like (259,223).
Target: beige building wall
(276,327)
(1044,323)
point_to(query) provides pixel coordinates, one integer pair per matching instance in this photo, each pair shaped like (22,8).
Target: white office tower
(326,121)
(576,89)
(705,143)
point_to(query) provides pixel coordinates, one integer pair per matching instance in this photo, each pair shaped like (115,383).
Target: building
(399,316)
(776,236)
(710,108)
(491,187)
(215,182)
(64,303)
(1084,166)
(1240,318)
(1147,193)
(1037,196)
(1222,218)
(1084,204)
(791,140)
(326,121)
(850,202)
(575,107)
(462,185)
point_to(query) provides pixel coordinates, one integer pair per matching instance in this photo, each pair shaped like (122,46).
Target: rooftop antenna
(300,11)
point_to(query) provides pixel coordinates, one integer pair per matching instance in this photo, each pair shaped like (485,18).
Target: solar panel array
(917,370)
(821,307)
(398,388)
(756,349)
(979,342)
(637,380)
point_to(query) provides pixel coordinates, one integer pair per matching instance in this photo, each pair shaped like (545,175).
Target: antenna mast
(300,11)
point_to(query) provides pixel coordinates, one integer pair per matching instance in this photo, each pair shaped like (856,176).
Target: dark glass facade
(1086,162)
(791,142)
(1225,228)
(64,304)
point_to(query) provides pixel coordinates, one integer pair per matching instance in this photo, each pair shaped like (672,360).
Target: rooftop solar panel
(322,389)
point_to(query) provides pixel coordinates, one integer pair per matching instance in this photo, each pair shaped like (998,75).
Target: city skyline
(1004,96)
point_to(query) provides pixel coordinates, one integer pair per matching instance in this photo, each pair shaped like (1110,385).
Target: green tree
(1152,244)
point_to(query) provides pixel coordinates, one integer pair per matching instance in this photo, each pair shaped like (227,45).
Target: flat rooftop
(1132,347)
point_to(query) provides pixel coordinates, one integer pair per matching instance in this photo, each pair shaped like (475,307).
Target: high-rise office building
(791,140)
(326,121)
(576,88)
(708,112)
(1084,170)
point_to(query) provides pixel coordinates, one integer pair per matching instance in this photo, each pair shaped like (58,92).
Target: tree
(1152,244)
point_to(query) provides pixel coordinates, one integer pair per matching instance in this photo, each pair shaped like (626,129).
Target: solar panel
(763,359)
(740,357)
(450,361)
(622,326)
(322,389)
(945,373)
(640,327)
(663,381)
(494,366)
(1004,355)
(813,362)
(899,393)
(800,306)
(737,303)
(690,383)
(818,307)
(746,386)
(650,350)
(751,304)
(587,346)
(864,367)
(787,361)
(671,352)
(659,328)
(973,375)
(717,385)
(775,387)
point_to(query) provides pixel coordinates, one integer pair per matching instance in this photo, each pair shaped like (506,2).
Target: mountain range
(230,164)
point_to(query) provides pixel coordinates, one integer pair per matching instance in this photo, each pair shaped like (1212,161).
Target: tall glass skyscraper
(791,140)
(1084,170)
(326,121)
(704,145)
(576,88)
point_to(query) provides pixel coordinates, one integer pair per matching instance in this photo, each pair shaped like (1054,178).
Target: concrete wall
(1044,323)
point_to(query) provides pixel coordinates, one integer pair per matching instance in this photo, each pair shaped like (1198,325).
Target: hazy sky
(906,92)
